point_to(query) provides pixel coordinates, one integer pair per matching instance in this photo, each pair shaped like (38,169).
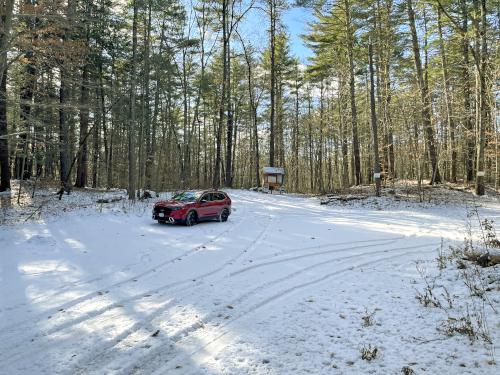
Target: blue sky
(256,25)
(296,20)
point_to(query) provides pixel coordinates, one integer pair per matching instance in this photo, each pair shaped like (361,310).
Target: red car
(191,207)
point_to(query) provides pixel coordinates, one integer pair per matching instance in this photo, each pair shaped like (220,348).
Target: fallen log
(483,259)
(109,200)
(342,198)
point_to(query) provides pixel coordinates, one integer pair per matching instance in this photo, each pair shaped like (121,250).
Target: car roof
(204,191)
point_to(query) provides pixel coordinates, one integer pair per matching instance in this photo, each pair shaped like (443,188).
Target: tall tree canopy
(163,94)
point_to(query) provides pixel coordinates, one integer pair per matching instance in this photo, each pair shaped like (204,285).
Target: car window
(187,196)
(206,197)
(220,196)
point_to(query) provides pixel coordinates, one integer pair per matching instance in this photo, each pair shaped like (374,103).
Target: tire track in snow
(329,244)
(200,280)
(147,364)
(200,283)
(308,255)
(170,285)
(189,281)
(120,303)
(312,210)
(102,293)
(214,315)
(201,277)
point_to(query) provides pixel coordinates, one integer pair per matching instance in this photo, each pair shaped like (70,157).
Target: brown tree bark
(342,107)
(469,126)
(228,180)
(272,118)
(64,100)
(132,120)
(253,113)
(483,99)
(4,140)
(147,113)
(82,163)
(424,96)
(7,9)
(296,130)
(447,97)
(352,92)
(217,168)
(373,118)
(99,122)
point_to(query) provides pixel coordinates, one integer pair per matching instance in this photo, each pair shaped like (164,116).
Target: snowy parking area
(286,286)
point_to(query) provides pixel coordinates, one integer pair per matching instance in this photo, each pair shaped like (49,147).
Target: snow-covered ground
(286,286)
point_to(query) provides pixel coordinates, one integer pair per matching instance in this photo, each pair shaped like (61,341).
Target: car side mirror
(203,201)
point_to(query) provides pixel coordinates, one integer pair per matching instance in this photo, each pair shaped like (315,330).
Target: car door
(214,205)
(204,208)
(218,203)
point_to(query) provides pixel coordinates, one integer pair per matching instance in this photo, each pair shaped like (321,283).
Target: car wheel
(224,215)
(191,219)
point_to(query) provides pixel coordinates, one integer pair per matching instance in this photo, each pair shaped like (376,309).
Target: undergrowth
(465,309)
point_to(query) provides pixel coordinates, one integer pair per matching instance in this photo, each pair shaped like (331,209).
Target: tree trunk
(64,102)
(4,140)
(424,95)
(296,131)
(310,138)
(184,152)
(447,98)
(23,163)
(483,101)
(109,172)
(253,114)
(99,121)
(132,120)
(229,131)
(343,134)
(63,127)
(470,137)
(272,31)
(5,29)
(320,148)
(217,168)
(82,163)
(352,92)
(373,117)
(147,127)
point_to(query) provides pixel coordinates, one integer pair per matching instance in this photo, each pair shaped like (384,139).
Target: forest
(380,253)
(166,94)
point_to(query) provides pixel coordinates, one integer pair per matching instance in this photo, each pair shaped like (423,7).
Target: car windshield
(187,196)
